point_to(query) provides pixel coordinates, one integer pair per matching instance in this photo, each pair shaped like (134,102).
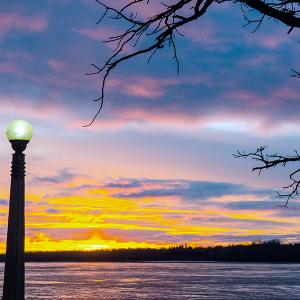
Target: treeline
(271,251)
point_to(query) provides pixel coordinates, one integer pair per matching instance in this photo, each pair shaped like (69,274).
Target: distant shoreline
(257,252)
(166,261)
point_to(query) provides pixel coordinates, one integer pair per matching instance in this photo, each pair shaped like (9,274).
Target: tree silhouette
(160,29)
(258,251)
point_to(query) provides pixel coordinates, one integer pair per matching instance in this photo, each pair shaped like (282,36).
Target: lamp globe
(19,130)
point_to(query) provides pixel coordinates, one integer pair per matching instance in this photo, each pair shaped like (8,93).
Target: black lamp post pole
(14,274)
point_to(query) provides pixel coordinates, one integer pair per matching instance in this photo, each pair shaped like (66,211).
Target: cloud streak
(17,21)
(188,190)
(63,175)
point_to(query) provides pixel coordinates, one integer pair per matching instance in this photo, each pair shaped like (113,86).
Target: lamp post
(19,133)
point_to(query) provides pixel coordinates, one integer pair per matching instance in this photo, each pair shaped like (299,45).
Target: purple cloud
(63,175)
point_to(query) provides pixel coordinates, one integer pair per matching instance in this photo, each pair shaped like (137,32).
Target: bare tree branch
(268,161)
(286,12)
(161,29)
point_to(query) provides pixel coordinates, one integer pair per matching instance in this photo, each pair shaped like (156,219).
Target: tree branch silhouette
(268,161)
(161,29)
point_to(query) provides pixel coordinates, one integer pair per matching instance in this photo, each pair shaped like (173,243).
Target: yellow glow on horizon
(42,242)
(93,219)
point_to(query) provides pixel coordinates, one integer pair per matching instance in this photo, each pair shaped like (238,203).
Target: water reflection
(155,280)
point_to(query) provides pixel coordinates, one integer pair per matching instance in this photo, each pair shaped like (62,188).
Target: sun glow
(43,242)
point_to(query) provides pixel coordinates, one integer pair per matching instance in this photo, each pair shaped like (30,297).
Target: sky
(156,168)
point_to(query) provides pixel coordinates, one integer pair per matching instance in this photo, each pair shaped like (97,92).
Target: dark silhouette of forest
(271,251)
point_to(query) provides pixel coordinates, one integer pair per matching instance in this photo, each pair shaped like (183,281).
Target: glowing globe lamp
(19,130)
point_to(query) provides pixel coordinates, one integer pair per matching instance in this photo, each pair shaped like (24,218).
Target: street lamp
(19,133)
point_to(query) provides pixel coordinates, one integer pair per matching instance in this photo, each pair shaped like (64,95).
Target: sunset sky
(156,168)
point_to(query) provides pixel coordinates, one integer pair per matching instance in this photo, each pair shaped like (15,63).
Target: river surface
(161,280)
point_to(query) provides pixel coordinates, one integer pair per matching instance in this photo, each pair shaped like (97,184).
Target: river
(161,280)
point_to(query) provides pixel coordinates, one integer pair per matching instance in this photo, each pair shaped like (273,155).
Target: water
(161,280)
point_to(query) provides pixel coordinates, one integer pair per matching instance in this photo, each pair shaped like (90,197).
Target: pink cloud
(98,34)
(149,9)
(159,121)
(69,80)
(18,21)
(144,91)
(270,40)
(103,34)
(249,98)
(275,98)
(143,8)
(67,77)
(286,93)
(273,41)
(133,117)
(152,87)
(41,110)
(146,119)
(258,60)
(56,65)
(9,67)
(173,118)
(205,36)
(15,55)
(145,87)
